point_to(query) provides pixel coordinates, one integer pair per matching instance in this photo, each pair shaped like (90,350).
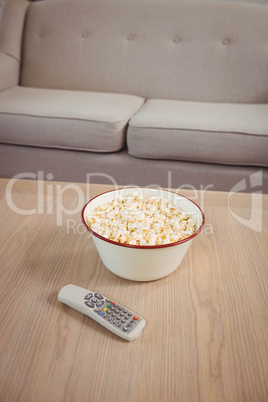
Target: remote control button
(109,306)
(125,329)
(116,305)
(130,314)
(89,304)
(118,318)
(107,300)
(101,312)
(88,296)
(114,315)
(117,311)
(96,310)
(94,300)
(100,297)
(109,311)
(114,322)
(123,321)
(112,303)
(105,309)
(119,325)
(129,324)
(136,318)
(126,317)
(109,318)
(125,311)
(100,303)
(112,308)
(132,321)
(122,314)
(120,308)
(105,315)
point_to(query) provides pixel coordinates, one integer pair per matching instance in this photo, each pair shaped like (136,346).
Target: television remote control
(113,316)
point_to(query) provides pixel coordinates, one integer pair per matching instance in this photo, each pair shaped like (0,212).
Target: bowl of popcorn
(142,234)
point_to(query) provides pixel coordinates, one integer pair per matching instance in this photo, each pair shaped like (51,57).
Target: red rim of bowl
(116,243)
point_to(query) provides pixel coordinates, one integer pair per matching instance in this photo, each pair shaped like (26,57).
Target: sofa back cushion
(155,49)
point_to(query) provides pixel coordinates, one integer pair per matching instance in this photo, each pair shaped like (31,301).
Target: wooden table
(206,337)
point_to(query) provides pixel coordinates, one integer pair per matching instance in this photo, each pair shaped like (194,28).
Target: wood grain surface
(206,337)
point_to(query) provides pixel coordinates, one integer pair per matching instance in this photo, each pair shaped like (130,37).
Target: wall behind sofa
(226,1)
(237,1)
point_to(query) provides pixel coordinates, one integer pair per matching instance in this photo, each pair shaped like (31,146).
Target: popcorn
(138,221)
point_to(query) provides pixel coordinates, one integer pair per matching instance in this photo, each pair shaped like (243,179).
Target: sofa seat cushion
(78,120)
(222,133)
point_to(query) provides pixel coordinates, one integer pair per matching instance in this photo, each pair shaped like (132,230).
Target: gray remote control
(113,316)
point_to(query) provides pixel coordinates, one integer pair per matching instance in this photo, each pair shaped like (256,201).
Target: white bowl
(143,263)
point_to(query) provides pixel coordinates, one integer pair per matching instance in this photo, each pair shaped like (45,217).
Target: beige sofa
(169,93)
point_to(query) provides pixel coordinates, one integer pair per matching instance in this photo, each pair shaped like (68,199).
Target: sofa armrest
(9,71)
(11,32)
(11,27)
